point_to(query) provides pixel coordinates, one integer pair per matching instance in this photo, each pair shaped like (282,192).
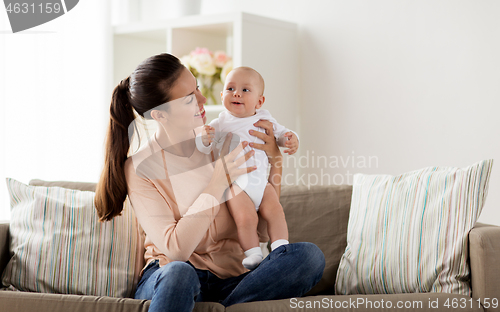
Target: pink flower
(199,50)
(220,58)
(201,60)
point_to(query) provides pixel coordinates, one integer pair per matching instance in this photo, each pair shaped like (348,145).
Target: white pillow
(408,233)
(59,245)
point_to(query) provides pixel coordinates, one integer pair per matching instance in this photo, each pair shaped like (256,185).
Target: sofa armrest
(4,246)
(484,254)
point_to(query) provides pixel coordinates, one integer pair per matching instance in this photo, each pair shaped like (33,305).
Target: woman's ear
(158,115)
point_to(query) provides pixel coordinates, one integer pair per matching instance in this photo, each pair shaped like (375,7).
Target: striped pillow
(408,233)
(59,246)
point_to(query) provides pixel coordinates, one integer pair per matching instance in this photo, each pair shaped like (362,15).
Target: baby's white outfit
(254,182)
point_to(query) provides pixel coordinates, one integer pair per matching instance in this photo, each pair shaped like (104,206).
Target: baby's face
(242,93)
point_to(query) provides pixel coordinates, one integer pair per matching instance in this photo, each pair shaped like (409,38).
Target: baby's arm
(285,137)
(206,137)
(292,143)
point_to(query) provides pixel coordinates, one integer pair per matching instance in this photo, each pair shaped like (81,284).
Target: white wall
(410,83)
(54,97)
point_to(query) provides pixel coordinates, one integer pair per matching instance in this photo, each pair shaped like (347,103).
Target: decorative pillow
(408,233)
(82,186)
(59,245)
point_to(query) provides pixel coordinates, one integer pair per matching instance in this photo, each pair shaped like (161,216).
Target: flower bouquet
(209,69)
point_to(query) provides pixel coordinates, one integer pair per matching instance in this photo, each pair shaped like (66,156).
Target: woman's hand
(226,169)
(272,150)
(270,147)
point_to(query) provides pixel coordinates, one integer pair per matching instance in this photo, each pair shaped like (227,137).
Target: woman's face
(186,109)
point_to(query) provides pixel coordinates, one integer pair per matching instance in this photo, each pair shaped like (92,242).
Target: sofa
(317,214)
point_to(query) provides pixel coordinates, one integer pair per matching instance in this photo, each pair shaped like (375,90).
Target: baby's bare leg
(271,210)
(242,210)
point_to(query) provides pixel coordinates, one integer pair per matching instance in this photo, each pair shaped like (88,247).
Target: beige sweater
(180,222)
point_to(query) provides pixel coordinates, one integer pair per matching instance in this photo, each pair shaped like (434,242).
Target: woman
(192,252)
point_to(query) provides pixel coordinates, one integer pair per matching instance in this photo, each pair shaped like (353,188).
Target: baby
(243,97)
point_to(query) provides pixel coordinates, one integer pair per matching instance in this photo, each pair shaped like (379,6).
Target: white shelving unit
(268,45)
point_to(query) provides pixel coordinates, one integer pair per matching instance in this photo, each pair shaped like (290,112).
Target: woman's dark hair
(146,88)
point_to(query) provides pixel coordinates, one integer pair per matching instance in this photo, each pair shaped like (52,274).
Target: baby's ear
(262,99)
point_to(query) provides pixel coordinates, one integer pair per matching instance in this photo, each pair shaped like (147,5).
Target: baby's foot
(252,261)
(279,242)
(253,258)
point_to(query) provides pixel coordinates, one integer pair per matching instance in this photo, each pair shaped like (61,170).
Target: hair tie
(124,87)
(125,83)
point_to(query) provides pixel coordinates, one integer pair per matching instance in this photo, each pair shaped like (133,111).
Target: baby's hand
(207,135)
(292,144)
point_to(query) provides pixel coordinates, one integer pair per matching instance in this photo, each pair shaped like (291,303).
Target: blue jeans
(288,271)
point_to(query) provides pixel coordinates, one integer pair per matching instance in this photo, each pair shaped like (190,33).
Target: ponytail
(147,87)
(111,189)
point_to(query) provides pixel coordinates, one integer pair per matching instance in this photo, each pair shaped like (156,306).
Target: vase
(206,84)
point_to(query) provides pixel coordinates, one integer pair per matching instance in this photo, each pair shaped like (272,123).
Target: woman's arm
(175,237)
(226,169)
(273,152)
(154,203)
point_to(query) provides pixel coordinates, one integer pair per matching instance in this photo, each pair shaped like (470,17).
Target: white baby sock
(253,258)
(278,243)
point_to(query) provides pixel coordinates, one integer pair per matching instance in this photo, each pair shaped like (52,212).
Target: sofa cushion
(408,233)
(59,245)
(28,302)
(365,303)
(319,214)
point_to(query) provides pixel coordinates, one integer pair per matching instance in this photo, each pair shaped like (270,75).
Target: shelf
(149,35)
(268,45)
(211,22)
